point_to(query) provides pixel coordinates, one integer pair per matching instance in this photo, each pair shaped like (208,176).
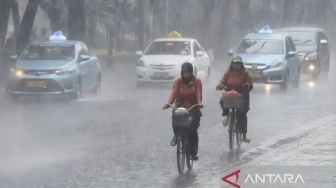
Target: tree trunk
(77,20)
(206,21)
(246,19)
(141,23)
(224,30)
(287,9)
(4,15)
(27,25)
(16,18)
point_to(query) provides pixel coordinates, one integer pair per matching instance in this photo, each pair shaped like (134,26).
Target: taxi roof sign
(174,34)
(266,29)
(58,35)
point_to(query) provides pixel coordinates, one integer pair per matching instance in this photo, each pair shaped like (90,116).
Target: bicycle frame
(233,128)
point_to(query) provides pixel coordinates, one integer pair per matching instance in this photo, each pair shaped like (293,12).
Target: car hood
(306,49)
(165,59)
(267,59)
(42,65)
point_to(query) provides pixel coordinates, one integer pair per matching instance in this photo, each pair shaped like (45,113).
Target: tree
(4,15)
(141,23)
(76,20)
(26,25)
(224,29)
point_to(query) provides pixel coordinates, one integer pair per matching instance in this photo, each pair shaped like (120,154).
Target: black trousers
(192,135)
(241,116)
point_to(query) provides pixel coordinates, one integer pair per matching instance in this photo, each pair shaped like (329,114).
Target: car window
(49,52)
(169,48)
(80,49)
(196,48)
(303,37)
(319,37)
(86,50)
(261,46)
(289,45)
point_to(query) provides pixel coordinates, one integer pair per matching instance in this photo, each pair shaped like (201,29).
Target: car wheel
(97,88)
(284,85)
(296,83)
(78,93)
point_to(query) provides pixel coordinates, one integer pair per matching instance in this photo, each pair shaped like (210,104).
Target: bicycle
(234,102)
(182,121)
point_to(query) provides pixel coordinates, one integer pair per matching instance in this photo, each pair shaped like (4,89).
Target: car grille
(39,72)
(301,56)
(162,78)
(161,67)
(50,86)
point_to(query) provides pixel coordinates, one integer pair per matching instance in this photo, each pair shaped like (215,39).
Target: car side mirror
(139,53)
(199,53)
(323,41)
(13,58)
(83,58)
(291,54)
(230,53)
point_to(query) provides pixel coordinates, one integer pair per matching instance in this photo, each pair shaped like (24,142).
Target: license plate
(161,74)
(255,74)
(36,84)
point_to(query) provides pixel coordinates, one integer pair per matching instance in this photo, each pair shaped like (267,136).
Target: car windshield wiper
(306,41)
(261,47)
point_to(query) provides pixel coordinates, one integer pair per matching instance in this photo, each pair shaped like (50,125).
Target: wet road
(122,138)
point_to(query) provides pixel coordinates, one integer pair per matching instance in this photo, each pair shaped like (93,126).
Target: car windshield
(169,48)
(302,38)
(260,46)
(49,52)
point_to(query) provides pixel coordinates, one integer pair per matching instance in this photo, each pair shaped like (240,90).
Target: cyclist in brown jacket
(239,80)
(187,91)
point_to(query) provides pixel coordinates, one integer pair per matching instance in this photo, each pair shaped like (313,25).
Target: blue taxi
(270,58)
(55,66)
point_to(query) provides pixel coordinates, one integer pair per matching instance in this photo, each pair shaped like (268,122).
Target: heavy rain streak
(83,85)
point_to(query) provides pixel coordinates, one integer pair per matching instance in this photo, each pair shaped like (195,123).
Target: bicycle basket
(233,100)
(181,118)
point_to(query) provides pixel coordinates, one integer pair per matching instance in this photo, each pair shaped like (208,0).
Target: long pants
(192,135)
(241,116)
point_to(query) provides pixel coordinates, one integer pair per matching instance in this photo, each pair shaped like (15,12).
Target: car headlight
(312,56)
(140,63)
(17,72)
(277,63)
(65,71)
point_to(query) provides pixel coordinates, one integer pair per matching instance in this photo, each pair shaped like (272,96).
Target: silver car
(54,67)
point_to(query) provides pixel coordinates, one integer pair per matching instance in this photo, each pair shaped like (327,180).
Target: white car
(161,62)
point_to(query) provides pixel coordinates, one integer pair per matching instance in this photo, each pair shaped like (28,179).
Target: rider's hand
(165,106)
(246,87)
(219,87)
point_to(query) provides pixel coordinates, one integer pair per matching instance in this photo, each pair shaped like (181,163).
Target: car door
(322,52)
(198,59)
(83,67)
(205,62)
(290,60)
(92,68)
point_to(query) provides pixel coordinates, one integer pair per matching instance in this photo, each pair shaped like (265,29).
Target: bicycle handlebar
(189,108)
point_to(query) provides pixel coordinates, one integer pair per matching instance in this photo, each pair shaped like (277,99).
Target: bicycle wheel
(180,155)
(190,161)
(231,129)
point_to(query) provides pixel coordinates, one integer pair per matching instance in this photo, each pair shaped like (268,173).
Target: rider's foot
(173,141)
(194,158)
(245,139)
(225,121)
